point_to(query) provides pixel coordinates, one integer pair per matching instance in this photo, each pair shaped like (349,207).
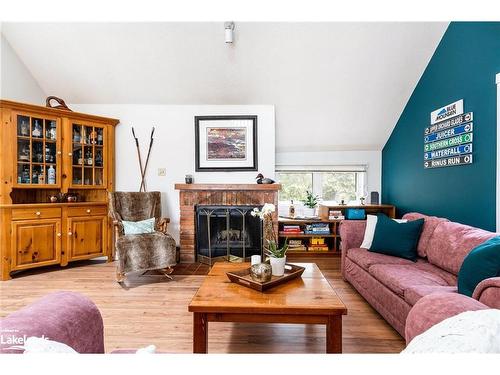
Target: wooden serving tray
(243,278)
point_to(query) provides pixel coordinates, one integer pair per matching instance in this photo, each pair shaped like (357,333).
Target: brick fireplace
(191,195)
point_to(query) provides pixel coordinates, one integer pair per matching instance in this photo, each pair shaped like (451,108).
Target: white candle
(256,259)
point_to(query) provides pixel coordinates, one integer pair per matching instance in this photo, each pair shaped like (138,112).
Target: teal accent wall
(463,66)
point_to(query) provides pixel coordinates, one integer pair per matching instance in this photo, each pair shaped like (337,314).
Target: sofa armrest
(488,292)
(66,317)
(434,308)
(352,233)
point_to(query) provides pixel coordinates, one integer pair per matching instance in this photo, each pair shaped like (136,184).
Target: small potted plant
(310,204)
(277,257)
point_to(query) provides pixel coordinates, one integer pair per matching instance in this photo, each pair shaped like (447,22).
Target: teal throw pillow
(397,239)
(139,227)
(481,263)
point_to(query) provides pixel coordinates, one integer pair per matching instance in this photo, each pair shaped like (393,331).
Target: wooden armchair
(141,252)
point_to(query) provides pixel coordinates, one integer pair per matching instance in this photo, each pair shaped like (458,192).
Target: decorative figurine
(261,272)
(291,210)
(263,180)
(189,179)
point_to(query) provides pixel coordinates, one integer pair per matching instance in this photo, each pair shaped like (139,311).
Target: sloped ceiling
(335,86)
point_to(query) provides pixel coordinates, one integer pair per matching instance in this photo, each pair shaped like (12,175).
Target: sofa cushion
(451,242)
(396,239)
(480,264)
(430,224)
(365,258)
(414,293)
(398,278)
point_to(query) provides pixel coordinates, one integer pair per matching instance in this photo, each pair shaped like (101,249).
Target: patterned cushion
(139,227)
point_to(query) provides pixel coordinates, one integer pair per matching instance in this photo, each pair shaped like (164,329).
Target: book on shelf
(341,217)
(317,248)
(297,248)
(289,233)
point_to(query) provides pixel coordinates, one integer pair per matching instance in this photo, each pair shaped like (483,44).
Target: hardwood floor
(152,310)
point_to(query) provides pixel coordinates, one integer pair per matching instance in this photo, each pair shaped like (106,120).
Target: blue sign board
(467,128)
(452,151)
(458,120)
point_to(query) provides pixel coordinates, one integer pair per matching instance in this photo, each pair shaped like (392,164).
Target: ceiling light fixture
(228,32)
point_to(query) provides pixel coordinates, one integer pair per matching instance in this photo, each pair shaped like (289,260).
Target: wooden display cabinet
(44,152)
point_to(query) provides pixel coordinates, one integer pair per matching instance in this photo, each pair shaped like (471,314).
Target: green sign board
(455,141)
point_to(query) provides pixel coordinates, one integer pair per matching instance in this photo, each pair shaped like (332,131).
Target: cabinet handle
(58,234)
(88,211)
(70,154)
(58,152)
(38,213)
(70,233)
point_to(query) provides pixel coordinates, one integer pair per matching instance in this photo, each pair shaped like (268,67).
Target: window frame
(361,184)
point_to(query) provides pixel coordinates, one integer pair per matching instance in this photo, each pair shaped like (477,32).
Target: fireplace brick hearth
(191,195)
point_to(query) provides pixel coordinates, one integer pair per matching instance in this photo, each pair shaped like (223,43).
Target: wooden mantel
(227,187)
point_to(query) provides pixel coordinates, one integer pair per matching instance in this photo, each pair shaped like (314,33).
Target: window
(329,185)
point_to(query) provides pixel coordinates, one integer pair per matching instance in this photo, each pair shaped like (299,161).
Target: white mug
(255,259)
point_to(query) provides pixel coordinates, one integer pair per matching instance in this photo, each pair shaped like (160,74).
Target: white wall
(174,148)
(16,82)
(372,160)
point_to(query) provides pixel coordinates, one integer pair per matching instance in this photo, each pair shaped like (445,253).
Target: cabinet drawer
(36,213)
(88,211)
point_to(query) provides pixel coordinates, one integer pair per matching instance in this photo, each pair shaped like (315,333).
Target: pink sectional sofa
(394,285)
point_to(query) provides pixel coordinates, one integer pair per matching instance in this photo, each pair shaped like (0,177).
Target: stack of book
(317,228)
(317,247)
(292,229)
(335,215)
(296,245)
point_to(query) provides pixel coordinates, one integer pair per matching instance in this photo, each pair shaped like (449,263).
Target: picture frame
(226,143)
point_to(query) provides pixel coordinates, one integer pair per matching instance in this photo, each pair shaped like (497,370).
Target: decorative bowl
(261,272)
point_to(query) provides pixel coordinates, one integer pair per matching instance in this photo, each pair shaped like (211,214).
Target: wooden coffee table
(306,300)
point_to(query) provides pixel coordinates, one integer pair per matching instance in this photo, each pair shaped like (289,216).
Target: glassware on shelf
(23,171)
(98,158)
(23,126)
(37,129)
(100,138)
(53,131)
(24,151)
(51,175)
(41,177)
(35,177)
(79,156)
(37,152)
(76,134)
(87,131)
(89,160)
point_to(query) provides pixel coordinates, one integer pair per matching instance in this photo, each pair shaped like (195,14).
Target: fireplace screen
(227,233)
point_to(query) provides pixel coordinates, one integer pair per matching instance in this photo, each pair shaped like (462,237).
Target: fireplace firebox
(228,233)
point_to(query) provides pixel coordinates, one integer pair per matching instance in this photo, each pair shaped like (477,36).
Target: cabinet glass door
(37,151)
(88,150)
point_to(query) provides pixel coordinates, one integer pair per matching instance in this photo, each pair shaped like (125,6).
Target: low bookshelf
(332,239)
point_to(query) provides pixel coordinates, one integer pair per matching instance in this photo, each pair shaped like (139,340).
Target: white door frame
(498,153)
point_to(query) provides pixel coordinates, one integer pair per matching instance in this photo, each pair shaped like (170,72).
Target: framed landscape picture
(225,143)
